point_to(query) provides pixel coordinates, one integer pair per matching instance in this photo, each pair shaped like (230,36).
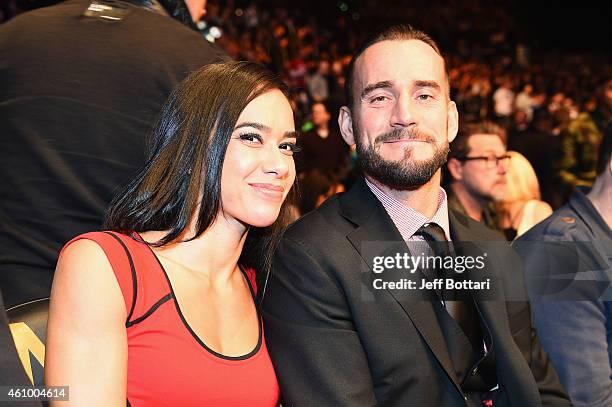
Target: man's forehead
(486,141)
(399,61)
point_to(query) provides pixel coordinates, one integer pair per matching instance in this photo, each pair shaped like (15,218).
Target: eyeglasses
(491,161)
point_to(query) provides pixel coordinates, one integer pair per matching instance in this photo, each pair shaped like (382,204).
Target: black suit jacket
(333,345)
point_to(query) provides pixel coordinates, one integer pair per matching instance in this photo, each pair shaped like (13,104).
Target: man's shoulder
(138,25)
(324,219)
(175,39)
(560,226)
(33,18)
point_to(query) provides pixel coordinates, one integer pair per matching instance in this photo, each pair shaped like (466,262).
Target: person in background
(530,142)
(521,207)
(322,148)
(315,188)
(523,101)
(163,303)
(80,85)
(317,82)
(503,102)
(476,171)
(580,141)
(572,250)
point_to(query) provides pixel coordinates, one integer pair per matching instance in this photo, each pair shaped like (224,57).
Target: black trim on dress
(192,332)
(150,311)
(133,269)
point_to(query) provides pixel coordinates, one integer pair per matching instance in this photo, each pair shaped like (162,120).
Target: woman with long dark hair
(160,309)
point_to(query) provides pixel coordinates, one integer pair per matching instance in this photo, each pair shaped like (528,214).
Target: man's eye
(380,98)
(251,138)
(424,97)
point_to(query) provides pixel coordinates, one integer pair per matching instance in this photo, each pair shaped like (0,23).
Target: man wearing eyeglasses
(476,171)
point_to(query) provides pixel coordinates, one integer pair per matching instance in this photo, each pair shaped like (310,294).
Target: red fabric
(167,364)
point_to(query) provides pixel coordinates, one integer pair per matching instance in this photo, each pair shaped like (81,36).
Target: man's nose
(403,112)
(502,166)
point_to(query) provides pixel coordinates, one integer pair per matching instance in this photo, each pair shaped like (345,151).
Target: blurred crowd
(493,76)
(542,99)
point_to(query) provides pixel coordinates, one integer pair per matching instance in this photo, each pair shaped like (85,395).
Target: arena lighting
(108,9)
(211,33)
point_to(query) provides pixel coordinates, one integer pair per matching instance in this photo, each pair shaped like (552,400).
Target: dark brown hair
(397,32)
(185,160)
(459,147)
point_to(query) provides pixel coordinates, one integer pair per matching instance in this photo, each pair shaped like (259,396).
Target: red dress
(168,364)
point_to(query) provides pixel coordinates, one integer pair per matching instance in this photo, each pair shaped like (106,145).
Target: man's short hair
(605,150)
(402,32)
(459,147)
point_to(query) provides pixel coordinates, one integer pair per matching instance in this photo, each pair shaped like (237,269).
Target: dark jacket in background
(78,96)
(489,214)
(568,263)
(327,155)
(578,147)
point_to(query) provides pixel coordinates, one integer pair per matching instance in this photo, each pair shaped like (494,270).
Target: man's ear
(455,169)
(346,125)
(453,121)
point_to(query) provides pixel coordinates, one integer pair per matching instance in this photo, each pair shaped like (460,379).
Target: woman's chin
(261,220)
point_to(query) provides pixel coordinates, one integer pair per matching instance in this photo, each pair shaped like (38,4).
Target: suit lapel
(376,235)
(512,369)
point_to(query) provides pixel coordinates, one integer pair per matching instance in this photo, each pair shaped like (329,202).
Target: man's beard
(405,174)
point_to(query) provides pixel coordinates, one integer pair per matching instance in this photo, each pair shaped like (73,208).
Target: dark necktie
(434,235)
(432,232)
(462,310)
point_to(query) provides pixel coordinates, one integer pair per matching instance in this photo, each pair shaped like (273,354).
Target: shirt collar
(407,220)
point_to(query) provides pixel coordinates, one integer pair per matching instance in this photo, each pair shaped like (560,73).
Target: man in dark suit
(339,336)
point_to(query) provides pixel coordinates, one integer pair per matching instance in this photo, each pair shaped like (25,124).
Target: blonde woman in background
(521,207)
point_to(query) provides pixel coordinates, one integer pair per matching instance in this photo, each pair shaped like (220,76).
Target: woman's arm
(86,336)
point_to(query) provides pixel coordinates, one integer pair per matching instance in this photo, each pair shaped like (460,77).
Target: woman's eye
(290,147)
(251,138)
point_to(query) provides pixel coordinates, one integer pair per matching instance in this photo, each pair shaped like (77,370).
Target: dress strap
(121,262)
(252,276)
